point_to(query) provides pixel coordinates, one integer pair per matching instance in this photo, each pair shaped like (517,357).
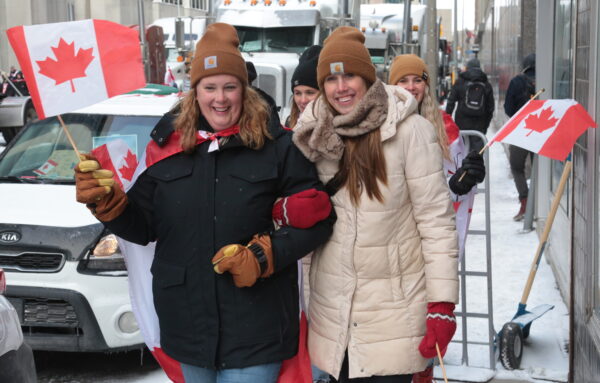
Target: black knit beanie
(306,71)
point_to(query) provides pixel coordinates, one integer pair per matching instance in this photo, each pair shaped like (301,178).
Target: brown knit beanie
(344,51)
(408,64)
(217,53)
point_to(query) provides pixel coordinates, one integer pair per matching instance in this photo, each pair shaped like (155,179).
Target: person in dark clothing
(224,279)
(474,96)
(252,75)
(520,90)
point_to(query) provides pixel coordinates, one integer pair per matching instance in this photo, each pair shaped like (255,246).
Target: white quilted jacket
(370,284)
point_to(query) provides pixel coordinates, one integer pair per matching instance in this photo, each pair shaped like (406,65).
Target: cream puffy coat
(371,282)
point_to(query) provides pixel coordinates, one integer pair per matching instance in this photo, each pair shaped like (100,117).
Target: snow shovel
(512,334)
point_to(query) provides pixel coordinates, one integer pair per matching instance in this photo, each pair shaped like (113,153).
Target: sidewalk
(545,357)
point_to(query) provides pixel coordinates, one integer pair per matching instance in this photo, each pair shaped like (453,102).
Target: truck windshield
(42,153)
(288,39)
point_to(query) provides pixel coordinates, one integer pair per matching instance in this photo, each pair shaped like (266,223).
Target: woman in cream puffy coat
(389,271)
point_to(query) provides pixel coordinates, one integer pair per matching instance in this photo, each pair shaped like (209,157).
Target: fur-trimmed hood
(318,132)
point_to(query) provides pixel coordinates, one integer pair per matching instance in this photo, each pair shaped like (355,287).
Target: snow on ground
(544,354)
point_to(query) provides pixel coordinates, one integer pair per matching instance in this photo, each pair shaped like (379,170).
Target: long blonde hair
(294,115)
(252,122)
(430,109)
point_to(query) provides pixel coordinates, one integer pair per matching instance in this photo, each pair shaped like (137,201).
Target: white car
(67,298)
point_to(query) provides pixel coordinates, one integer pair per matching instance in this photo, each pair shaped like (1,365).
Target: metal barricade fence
(464,273)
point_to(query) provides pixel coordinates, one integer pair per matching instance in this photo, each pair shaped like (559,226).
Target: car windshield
(42,153)
(289,39)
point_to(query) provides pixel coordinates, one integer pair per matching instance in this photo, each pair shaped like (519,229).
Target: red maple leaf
(128,169)
(67,65)
(541,122)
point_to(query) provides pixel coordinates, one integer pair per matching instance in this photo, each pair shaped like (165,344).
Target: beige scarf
(322,137)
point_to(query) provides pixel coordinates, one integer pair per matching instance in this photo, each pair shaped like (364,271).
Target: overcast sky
(466,7)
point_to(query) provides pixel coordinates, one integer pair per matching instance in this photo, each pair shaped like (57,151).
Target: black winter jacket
(458,95)
(192,205)
(519,91)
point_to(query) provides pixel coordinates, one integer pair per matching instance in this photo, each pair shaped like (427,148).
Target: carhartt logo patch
(336,68)
(210,62)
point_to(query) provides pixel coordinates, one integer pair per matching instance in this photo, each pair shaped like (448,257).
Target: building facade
(565,36)
(126,12)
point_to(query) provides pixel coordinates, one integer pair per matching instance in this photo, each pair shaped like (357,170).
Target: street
(80,367)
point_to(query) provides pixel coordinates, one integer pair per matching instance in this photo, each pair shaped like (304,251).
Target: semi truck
(384,26)
(274,33)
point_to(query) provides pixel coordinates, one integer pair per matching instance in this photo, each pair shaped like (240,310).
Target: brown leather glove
(96,188)
(246,263)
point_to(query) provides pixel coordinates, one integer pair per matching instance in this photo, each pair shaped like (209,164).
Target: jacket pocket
(172,168)
(255,175)
(171,300)
(395,262)
(166,275)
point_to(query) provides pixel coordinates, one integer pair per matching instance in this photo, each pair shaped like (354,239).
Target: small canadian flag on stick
(71,65)
(547,127)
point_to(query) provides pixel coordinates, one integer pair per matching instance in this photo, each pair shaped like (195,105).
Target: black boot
(521,213)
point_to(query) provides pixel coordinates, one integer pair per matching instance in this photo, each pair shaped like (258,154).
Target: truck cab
(274,33)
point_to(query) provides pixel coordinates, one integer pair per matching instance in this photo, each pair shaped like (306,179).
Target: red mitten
(302,210)
(441,325)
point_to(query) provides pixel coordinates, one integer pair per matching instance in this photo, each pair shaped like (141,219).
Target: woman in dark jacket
(224,281)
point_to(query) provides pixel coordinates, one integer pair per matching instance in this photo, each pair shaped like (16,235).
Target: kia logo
(10,237)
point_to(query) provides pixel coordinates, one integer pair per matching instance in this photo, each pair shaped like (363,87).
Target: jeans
(517,159)
(263,373)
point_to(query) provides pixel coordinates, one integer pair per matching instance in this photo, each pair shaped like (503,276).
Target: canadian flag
(74,64)
(547,127)
(463,205)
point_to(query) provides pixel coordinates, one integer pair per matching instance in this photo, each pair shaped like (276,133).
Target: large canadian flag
(547,127)
(74,64)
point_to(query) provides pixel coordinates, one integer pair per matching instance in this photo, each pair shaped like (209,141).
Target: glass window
(43,153)
(562,75)
(289,39)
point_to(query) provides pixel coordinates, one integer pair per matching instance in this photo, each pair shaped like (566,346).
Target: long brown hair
(361,166)
(252,122)
(294,115)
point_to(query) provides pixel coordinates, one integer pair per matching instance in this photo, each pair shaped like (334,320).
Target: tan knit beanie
(408,64)
(217,53)
(344,51)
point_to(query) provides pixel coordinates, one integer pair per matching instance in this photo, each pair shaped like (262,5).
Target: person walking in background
(410,72)
(473,98)
(520,90)
(304,83)
(383,288)
(224,280)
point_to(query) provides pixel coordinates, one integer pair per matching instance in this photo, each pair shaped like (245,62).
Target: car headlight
(105,258)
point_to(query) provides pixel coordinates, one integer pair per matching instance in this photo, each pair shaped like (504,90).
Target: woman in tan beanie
(383,288)
(224,278)
(410,72)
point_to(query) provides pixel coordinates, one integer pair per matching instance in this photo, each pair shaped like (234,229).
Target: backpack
(474,103)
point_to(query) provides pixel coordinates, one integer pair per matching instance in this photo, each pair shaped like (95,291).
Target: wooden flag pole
(441,362)
(69,137)
(488,144)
